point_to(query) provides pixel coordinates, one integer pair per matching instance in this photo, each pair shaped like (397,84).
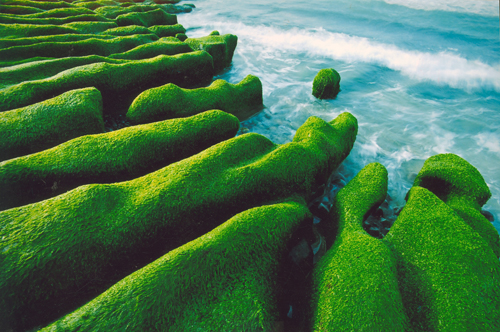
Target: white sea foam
(481,7)
(441,68)
(488,140)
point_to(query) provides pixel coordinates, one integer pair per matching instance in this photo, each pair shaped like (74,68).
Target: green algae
(170,101)
(51,122)
(68,248)
(326,84)
(460,185)
(33,30)
(114,11)
(127,30)
(448,275)
(220,47)
(70,37)
(18,10)
(167,30)
(355,286)
(147,19)
(119,84)
(92,46)
(223,281)
(110,157)
(45,5)
(60,12)
(14,19)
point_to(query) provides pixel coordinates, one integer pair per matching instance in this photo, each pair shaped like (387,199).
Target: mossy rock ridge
(19,10)
(119,84)
(167,30)
(42,69)
(51,122)
(14,19)
(91,46)
(110,157)
(59,253)
(449,276)
(33,30)
(44,5)
(220,47)
(70,37)
(170,101)
(460,185)
(147,19)
(355,285)
(223,281)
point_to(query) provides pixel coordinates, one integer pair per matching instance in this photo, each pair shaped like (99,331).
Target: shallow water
(421,77)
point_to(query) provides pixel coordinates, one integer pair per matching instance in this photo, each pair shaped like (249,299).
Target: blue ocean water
(422,77)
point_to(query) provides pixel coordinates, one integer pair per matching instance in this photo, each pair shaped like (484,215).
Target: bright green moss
(18,10)
(326,84)
(111,157)
(51,122)
(167,30)
(62,251)
(60,12)
(45,5)
(166,46)
(92,46)
(223,281)
(119,84)
(449,276)
(147,19)
(115,11)
(355,284)
(127,30)
(169,101)
(14,19)
(461,187)
(221,48)
(33,30)
(70,37)
(96,4)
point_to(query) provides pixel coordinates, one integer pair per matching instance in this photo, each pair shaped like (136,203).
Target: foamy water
(421,77)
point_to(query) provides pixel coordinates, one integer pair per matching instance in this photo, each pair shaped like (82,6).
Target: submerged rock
(49,123)
(61,251)
(326,84)
(225,280)
(170,101)
(111,157)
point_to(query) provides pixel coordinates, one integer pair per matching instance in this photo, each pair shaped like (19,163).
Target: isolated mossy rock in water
(449,276)
(221,48)
(49,123)
(326,84)
(223,281)
(119,84)
(91,46)
(355,285)
(170,101)
(46,68)
(61,252)
(110,157)
(147,19)
(460,185)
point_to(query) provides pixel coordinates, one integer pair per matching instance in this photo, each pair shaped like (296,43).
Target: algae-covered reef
(127,202)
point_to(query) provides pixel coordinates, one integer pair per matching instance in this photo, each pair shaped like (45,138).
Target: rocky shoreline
(128,204)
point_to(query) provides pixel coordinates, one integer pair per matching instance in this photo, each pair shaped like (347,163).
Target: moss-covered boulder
(225,280)
(326,84)
(110,157)
(119,84)
(355,285)
(167,30)
(46,124)
(220,47)
(147,19)
(449,277)
(460,185)
(61,252)
(170,101)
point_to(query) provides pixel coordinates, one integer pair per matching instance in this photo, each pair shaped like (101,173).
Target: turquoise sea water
(422,77)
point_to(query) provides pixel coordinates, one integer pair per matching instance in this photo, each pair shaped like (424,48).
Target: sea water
(422,77)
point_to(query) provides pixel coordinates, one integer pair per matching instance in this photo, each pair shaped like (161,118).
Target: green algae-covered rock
(91,46)
(43,125)
(221,48)
(17,19)
(61,252)
(60,12)
(45,5)
(127,30)
(18,10)
(119,84)
(167,30)
(170,101)
(165,45)
(111,157)
(69,37)
(33,30)
(223,281)
(147,19)
(355,286)
(448,275)
(460,185)
(326,84)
